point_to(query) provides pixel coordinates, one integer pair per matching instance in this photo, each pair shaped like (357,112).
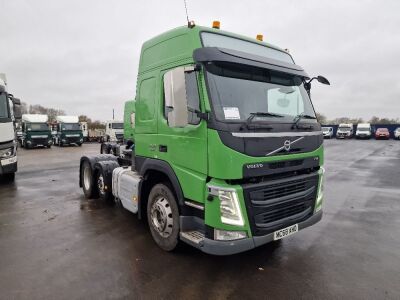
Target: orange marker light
(259,37)
(216,24)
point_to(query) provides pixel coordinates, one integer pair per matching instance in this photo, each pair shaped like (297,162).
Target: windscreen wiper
(260,114)
(301,116)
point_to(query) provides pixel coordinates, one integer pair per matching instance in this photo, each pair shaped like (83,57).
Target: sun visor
(210,54)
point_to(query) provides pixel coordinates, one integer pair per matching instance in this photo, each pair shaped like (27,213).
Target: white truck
(345,131)
(363,131)
(36,131)
(85,131)
(10,111)
(68,131)
(114,131)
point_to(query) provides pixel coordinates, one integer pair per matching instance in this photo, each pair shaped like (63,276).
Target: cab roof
(178,44)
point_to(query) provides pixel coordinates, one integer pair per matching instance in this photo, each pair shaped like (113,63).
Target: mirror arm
(201,115)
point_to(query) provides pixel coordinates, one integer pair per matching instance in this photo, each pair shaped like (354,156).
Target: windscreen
(118,125)
(363,129)
(217,40)
(37,127)
(344,128)
(4,113)
(70,126)
(239,91)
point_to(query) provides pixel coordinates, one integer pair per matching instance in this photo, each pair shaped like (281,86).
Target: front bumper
(232,247)
(6,167)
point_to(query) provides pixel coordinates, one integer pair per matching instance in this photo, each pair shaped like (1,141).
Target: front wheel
(163,217)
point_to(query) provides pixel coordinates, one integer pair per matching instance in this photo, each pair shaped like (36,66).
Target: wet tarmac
(54,244)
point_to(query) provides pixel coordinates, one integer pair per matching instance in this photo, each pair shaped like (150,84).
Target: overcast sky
(82,56)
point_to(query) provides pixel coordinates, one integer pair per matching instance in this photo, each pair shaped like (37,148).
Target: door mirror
(323,80)
(17,108)
(175,97)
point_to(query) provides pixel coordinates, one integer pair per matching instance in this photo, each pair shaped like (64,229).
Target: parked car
(345,131)
(327,132)
(382,133)
(363,131)
(397,133)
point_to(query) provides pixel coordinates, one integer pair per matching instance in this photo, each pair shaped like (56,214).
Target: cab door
(182,134)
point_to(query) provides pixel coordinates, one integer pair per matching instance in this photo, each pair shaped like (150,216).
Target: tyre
(49,146)
(163,217)
(80,144)
(105,189)
(88,181)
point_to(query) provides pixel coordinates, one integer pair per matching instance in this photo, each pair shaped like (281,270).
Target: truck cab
(228,151)
(85,131)
(344,131)
(69,131)
(35,131)
(114,131)
(10,112)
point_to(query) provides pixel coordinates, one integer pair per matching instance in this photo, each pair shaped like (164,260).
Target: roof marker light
(260,37)
(216,24)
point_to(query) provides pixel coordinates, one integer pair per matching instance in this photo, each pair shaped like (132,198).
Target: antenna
(187,15)
(190,23)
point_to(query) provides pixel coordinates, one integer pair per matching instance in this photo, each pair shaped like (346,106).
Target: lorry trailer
(10,111)
(68,131)
(228,152)
(36,131)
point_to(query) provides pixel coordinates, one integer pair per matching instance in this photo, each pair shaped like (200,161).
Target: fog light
(225,235)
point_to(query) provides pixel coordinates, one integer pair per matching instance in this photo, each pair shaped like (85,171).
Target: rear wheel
(88,183)
(163,217)
(105,190)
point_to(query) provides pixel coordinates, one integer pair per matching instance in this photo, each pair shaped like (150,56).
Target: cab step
(195,237)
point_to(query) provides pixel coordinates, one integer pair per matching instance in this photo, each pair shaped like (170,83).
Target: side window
(192,96)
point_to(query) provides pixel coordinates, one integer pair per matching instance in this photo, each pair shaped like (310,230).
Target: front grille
(280,203)
(39,141)
(72,140)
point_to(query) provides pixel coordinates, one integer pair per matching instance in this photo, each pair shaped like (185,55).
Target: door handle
(163,148)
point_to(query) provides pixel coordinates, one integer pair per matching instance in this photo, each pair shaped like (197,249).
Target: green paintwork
(195,153)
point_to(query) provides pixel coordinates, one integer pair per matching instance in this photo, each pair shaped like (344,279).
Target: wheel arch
(156,171)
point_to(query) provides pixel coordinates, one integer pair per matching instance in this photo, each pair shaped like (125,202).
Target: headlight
(6,153)
(229,206)
(225,235)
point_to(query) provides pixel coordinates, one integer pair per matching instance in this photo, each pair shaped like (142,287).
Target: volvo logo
(286,145)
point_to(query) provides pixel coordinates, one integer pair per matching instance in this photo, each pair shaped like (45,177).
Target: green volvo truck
(228,153)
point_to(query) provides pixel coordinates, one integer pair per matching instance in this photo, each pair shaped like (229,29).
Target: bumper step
(195,237)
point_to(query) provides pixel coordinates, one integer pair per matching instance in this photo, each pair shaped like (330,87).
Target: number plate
(8,161)
(279,234)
